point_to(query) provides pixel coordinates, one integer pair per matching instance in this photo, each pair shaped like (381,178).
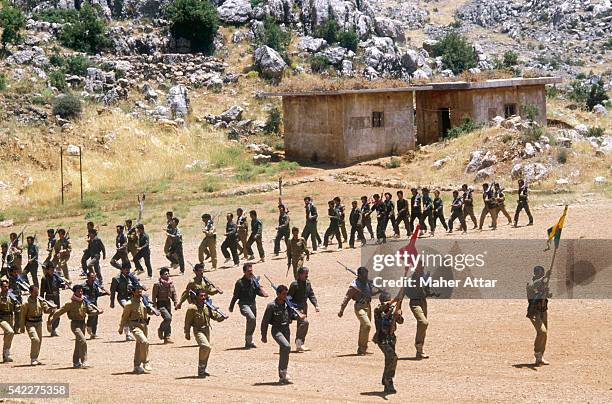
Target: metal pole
(62,171)
(81,170)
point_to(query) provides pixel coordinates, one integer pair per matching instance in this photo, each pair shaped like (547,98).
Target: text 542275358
(34,390)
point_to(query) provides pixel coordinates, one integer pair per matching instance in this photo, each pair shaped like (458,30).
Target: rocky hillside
(154,107)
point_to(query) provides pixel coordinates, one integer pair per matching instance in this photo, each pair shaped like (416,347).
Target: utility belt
(141,321)
(522,199)
(211,236)
(417,300)
(34,320)
(537,305)
(78,321)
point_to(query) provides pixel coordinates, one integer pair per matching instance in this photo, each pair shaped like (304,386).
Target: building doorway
(444,121)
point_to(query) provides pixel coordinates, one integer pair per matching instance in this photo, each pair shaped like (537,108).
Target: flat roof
(451,85)
(496,83)
(348,91)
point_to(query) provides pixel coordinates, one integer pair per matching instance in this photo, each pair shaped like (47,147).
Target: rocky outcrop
(269,62)
(235,11)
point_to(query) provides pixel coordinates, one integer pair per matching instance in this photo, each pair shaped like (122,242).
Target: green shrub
(595,131)
(211,184)
(12,21)
(67,106)
(552,91)
(57,79)
(318,64)
(532,134)
(562,155)
(44,98)
(89,202)
(88,34)
(2,82)
(510,59)
(275,37)
(349,39)
(255,3)
(57,15)
(227,156)
(467,125)
(597,95)
(273,121)
(77,65)
(530,111)
(57,60)
(608,44)
(579,90)
(328,30)
(457,53)
(393,162)
(195,20)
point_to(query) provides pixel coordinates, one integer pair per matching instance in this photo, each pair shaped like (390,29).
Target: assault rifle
(289,300)
(209,303)
(206,279)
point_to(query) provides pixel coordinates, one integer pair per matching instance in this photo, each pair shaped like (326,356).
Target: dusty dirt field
(481,350)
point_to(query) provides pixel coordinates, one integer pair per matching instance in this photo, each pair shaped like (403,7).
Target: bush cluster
(195,20)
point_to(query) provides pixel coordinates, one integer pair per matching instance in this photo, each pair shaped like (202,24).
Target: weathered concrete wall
(481,104)
(362,141)
(314,128)
(489,103)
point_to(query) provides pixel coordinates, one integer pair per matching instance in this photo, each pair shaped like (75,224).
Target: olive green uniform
(8,307)
(490,207)
(196,284)
(297,251)
(361,293)
(243,232)
(31,321)
(385,339)
(208,246)
(77,312)
(61,254)
(537,312)
(135,316)
(418,305)
(198,317)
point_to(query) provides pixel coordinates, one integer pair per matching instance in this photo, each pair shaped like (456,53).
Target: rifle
(149,305)
(22,282)
(60,281)
(209,303)
(140,208)
(206,279)
(51,304)
(289,300)
(13,297)
(90,303)
(347,268)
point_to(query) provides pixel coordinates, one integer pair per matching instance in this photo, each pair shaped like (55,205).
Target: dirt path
(480,349)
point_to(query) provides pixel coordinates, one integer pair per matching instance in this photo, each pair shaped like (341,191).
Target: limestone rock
(235,11)
(269,62)
(178,101)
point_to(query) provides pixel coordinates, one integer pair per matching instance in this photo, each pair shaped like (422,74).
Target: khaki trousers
(79,354)
(202,337)
(8,334)
(485,211)
(419,311)
(208,246)
(35,333)
(63,266)
(297,264)
(540,323)
(242,244)
(364,315)
(141,352)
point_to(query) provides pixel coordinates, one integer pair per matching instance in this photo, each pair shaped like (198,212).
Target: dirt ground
(481,350)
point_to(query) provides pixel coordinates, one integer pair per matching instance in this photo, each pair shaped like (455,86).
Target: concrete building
(346,126)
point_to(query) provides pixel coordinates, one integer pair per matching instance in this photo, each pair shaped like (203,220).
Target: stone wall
(396,136)
(337,129)
(481,104)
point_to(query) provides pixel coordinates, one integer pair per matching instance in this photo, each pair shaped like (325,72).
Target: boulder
(600,110)
(535,171)
(410,61)
(387,27)
(497,121)
(149,93)
(235,11)
(178,101)
(310,44)
(484,174)
(261,159)
(336,55)
(582,129)
(438,164)
(269,62)
(234,113)
(600,180)
(480,160)
(529,150)
(562,181)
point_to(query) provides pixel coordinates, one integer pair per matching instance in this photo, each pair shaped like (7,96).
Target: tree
(88,34)
(349,39)
(12,22)
(275,37)
(510,59)
(195,20)
(328,31)
(597,95)
(457,53)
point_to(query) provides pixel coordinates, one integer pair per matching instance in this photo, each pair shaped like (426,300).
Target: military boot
(419,352)
(6,356)
(202,371)
(139,370)
(389,388)
(539,360)
(283,377)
